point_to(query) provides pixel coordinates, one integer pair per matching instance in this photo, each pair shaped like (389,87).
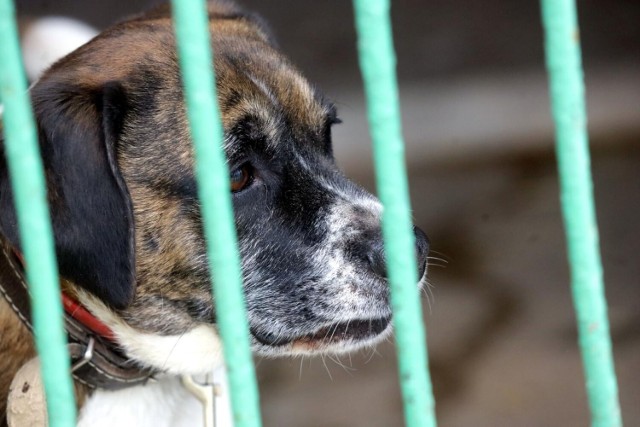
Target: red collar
(96,357)
(78,312)
(82,315)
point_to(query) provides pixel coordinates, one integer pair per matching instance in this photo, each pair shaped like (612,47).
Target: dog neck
(158,403)
(95,356)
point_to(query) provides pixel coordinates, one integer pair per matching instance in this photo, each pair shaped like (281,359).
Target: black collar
(96,360)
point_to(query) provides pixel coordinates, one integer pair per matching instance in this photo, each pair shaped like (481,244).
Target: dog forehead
(256,82)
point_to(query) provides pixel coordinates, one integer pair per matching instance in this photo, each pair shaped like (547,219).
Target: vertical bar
(194,48)
(29,191)
(377,62)
(564,66)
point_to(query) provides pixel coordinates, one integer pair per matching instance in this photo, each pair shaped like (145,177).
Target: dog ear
(90,206)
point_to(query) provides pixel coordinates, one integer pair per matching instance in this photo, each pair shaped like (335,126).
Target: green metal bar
(377,62)
(194,48)
(29,191)
(569,112)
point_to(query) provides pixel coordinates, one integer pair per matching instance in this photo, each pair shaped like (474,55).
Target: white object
(48,39)
(26,403)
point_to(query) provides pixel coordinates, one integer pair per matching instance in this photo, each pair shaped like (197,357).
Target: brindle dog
(119,168)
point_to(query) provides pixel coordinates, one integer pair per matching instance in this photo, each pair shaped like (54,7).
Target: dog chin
(337,338)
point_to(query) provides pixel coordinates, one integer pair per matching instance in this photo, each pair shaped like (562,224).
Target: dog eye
(241,177)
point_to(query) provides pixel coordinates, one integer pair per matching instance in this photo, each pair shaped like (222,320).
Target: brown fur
(169,245)
(141,52)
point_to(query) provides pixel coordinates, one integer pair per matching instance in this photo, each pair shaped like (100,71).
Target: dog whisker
(335,329)
(426,289)
(337,361)
(430,264)
(433,251)
(346,329)
(300,370)
(429,289)
(388,339)
(435,258)
(324,362)
(374,352)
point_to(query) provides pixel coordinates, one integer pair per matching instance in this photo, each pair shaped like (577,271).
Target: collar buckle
(86,357)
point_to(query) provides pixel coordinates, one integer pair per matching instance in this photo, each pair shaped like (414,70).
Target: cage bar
(29,191)
(377,62)
(563,57)
(196,61)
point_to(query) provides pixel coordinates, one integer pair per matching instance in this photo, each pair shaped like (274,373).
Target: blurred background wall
(502,334)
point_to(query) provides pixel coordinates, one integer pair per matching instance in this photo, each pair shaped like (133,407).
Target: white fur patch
(162,403)
(338,270)
(196,351)
(165,403)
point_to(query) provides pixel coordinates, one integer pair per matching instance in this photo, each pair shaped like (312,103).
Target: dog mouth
(352,331)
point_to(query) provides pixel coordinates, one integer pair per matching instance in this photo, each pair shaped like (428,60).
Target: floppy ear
(91,212)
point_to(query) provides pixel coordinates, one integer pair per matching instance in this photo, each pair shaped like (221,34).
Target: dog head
(119,167)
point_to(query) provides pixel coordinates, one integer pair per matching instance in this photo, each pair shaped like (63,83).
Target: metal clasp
(205,393)
(86,357)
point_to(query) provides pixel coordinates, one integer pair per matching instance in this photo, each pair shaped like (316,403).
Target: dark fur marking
(249,131)
(183,187)
(90,205)
(232,99)
(151,242)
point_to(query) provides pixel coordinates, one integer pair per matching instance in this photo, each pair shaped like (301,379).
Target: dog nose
(377,260)
(422,250)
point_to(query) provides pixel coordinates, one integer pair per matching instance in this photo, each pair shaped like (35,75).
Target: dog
(128,234)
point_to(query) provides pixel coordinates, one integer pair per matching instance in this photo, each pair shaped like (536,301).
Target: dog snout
(422,250)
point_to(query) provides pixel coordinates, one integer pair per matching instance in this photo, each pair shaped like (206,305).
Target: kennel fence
(378,67)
